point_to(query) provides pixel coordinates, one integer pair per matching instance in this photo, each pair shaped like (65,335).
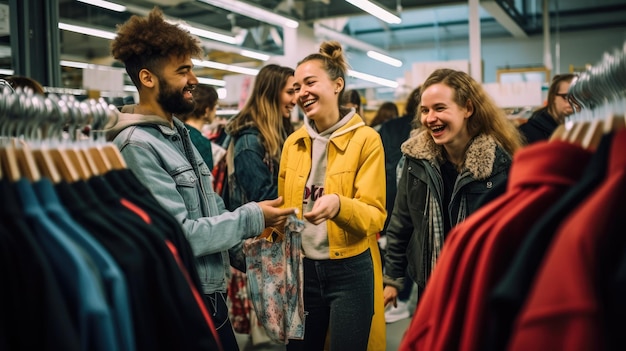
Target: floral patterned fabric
(275,282)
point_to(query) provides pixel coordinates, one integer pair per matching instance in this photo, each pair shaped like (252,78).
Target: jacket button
(174,138)
(336,253)
(489,185)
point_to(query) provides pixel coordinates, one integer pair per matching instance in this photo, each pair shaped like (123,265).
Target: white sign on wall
(421,70)
(103,79)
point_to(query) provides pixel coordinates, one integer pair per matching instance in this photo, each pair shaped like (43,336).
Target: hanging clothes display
(91,260)
(541,266)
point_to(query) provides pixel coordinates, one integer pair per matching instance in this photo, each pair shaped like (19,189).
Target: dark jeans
(338,298)
(219,312)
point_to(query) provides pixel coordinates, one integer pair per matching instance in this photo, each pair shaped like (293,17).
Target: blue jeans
(338,298)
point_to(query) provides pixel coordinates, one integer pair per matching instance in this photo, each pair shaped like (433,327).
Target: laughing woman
(463,150)
(330,170)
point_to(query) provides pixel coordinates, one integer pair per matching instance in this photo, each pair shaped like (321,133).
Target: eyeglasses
(564,96)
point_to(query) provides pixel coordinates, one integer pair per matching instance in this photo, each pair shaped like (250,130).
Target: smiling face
(445,120)
(318,94)
(287,97)
(176,82)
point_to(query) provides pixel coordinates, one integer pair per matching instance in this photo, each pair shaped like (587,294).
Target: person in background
(258,133)
(545,120)
(156,146)
(387,111)
(330,170)
(205,98)
(24,83)
(393,133)
(352,99)
(463,149)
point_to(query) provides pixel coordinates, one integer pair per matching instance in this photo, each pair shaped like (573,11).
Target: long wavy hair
(263,111)
(487,117)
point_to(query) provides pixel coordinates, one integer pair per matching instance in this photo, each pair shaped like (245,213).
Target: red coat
(563,309)
(450,315)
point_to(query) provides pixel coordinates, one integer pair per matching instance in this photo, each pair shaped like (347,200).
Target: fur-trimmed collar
(479,158)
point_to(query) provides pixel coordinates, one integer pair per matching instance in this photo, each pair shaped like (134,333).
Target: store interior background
(513,46)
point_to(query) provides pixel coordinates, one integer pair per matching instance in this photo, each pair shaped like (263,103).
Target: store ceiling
(423,22)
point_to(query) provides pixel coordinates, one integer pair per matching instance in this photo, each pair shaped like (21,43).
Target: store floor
(395,331)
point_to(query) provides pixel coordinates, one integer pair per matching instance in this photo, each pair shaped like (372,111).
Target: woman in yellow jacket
(333,170)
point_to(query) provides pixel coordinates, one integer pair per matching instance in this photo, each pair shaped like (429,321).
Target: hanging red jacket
(450,315)
(563,311)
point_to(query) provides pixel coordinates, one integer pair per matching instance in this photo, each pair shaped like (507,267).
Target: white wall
(576,48)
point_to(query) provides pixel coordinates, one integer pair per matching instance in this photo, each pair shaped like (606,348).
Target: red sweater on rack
(451,312)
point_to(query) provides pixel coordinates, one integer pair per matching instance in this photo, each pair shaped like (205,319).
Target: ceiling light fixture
(211,81)
(225,67)
(206,33)
(373,79)
(372,51)
(376,10)
(88,31)
(384,58)
(105,4)
(254,12)
(254,55)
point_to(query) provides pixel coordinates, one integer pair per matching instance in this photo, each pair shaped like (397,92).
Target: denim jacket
(256,174)
(166,161)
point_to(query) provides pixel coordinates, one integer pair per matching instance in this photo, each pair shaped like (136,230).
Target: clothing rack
(598,97)
(90,259)
(56,136)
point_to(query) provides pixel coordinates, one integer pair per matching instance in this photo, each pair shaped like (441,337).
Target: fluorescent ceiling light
(8,72)
(254,12)
(376,10)
(384,58)
(207,33)
(254,55)
(211,81)
(373,79)
(230,112)
(105,4)
(225,67)
(88,31)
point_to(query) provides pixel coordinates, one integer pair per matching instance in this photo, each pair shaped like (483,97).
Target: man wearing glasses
(545,120)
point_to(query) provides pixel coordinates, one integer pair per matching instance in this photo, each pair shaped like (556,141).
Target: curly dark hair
(147,42)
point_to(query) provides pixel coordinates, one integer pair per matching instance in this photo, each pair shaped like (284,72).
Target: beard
(172,100)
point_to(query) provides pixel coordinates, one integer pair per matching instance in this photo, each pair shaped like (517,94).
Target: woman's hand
(390,295)
(326,207)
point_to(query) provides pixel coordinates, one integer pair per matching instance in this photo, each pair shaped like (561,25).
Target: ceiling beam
(506,15)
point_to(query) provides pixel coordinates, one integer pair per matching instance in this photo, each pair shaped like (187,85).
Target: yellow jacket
(355,171)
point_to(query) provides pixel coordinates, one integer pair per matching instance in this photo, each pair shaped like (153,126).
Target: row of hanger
(598,96)
(55,136)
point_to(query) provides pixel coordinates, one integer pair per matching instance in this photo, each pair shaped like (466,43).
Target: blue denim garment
(165,160)
(256,174)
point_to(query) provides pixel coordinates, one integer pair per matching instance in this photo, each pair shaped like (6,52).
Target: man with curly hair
(157,148)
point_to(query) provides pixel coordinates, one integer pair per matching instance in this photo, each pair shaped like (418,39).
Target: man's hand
(274,215)
(326,207)
(390,294)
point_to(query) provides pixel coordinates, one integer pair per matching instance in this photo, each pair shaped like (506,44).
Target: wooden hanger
(46,164)
(578,132)
(26,160)
(8,161)
(64,163)
(114,156)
